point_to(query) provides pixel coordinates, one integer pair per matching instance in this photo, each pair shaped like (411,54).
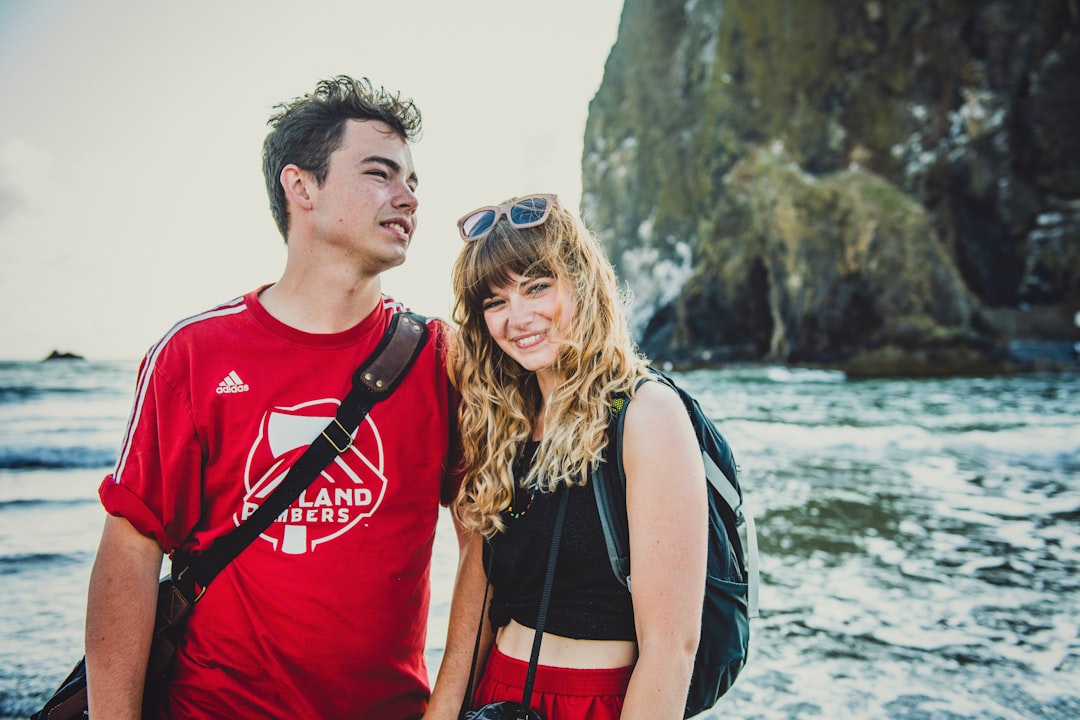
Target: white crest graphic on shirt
(348,490)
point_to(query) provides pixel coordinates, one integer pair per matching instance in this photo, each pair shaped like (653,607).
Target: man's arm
(465,613)
(120,613)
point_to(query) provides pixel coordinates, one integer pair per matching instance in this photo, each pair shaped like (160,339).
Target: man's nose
(406,197)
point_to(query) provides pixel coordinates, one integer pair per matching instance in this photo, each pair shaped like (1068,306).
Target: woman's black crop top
(587,602)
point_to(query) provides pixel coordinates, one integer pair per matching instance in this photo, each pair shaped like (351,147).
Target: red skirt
(558,693)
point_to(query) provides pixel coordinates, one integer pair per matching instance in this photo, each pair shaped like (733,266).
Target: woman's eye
(490,304)
(539,287)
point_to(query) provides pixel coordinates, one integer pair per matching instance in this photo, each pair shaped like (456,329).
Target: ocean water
(919,538)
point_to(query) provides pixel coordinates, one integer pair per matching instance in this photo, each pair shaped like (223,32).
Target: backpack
(731,584)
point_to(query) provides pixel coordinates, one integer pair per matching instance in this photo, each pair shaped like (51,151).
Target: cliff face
(843,183)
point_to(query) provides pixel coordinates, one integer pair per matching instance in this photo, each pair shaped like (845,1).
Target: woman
(543,351)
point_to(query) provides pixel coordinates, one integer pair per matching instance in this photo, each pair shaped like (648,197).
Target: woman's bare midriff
(515,640)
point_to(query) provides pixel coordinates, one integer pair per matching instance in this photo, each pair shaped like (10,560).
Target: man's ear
(297,185)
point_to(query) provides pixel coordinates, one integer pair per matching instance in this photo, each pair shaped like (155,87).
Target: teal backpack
(731,584)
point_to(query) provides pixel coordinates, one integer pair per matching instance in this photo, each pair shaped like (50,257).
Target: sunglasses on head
(525,212)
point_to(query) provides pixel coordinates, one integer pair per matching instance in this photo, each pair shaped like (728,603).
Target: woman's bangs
(503,253)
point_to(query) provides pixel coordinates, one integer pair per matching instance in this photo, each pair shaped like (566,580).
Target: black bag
(374,380)
(173,607)
(505,710)
(731,584)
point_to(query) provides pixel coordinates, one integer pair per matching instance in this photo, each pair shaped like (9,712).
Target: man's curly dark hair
(307,130)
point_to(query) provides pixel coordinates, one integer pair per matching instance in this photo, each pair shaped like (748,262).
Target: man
(324,615)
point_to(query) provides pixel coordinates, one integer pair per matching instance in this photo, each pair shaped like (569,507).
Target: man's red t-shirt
(325,615)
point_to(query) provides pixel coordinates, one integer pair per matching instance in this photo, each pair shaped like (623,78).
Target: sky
(131,191)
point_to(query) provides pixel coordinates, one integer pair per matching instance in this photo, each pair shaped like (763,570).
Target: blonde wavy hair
(500,399)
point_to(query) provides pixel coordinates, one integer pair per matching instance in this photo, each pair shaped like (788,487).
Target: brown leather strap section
(386,367)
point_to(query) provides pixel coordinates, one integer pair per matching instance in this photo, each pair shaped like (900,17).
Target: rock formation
(886,187)
(57,355)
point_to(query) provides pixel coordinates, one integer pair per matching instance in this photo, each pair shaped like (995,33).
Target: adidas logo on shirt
(232,384)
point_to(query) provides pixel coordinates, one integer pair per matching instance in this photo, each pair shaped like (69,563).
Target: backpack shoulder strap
(609,487)
(616,534)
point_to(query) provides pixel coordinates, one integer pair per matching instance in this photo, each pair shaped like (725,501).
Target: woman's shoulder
(654,402)
(658,438)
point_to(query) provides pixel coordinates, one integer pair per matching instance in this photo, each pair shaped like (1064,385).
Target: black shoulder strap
(549,577)
(541,617)
(609,487)
(609,479)
(374,380)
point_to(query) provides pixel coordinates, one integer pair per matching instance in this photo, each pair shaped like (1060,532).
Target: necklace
(521,469)
(518,514)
